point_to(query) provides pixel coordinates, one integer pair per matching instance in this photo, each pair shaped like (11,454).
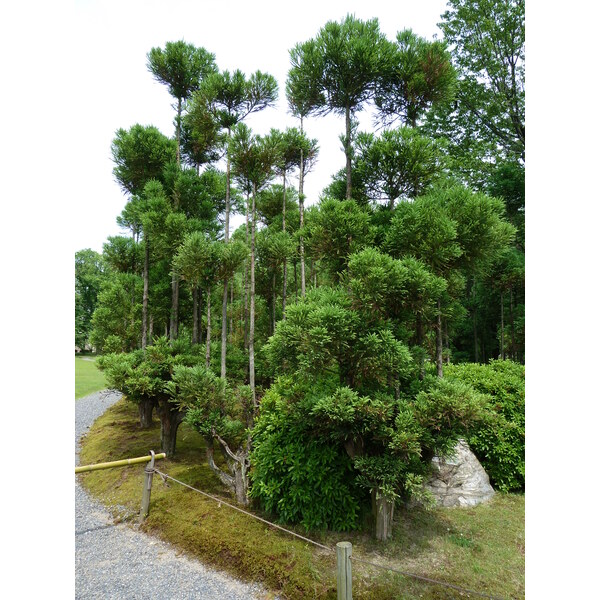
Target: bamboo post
(344,571)
(148,473)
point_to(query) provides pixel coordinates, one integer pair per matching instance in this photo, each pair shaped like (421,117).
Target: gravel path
(114,561)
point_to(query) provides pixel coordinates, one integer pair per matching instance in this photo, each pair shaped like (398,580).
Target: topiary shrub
(499,442)
(297,476)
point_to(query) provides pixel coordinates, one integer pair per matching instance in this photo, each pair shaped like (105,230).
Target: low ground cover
(88,378)
(480,548)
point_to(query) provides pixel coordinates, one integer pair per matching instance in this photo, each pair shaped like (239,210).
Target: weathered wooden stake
(148,473)
(344,570)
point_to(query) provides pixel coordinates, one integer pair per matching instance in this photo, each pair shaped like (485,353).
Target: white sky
(112,39)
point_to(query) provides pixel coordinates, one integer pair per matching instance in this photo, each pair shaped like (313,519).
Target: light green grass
(88,378)
(479,548)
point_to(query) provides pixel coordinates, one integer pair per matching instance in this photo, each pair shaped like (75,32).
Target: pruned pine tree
(231,97)
(340,69)
(252,158)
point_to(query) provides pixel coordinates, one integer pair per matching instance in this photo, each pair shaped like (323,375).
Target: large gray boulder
(459,480)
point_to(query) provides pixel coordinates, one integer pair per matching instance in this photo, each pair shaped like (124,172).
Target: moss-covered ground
(479,548)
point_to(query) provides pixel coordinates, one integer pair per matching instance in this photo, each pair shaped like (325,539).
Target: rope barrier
(427,579)
(164,477)
(221,501)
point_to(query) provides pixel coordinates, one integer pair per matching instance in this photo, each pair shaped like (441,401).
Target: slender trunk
(195,315)
(224,331)
(200,297)
(208,326)
(501,326)
(246,280)
(252,299)
(419,337)
(231,309)
(145,408)
(348,161)
(151,328)
(178,131)
(173,330)
(513,347)
(274,301)
(227,189)
(145,296)
(301,206)
(224,309)
(438,341)
(447,341)
(283,294)
(475,345)
(296,278)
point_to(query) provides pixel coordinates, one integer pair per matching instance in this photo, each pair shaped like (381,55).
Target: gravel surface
(116,561)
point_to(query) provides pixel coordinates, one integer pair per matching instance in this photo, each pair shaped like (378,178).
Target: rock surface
(459,480)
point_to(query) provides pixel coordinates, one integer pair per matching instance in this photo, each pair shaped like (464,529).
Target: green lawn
(88,378)
(480,548)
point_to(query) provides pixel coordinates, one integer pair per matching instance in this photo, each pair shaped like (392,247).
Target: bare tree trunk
(420,336)
(200,296)
(246,280)
(301,206)
(224,309)
(224,331)
(252,299)
(145,408)
(231,308)
(178,132)
(151,328)
(284,259)
(438,341)
(513,346)
(296,278)
(475,345)
(170,419)
(501,326)
(348,161)
(195,315)
(173,329)
(384,516)
(447,341)
(145,296)
(225,479)
(208,327)
(238,464)
(274,302)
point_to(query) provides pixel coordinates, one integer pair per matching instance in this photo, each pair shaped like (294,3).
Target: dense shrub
(297,476)
(499,443)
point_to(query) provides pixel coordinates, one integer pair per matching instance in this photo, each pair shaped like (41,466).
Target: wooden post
(344,571)
(148,473)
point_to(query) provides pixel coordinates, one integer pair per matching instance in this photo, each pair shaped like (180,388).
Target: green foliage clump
(499,442)
(298,476)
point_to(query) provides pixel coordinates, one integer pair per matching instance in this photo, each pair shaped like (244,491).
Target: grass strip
(88,378)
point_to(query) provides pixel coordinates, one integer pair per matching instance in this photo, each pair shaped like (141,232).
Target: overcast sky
(112,39)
